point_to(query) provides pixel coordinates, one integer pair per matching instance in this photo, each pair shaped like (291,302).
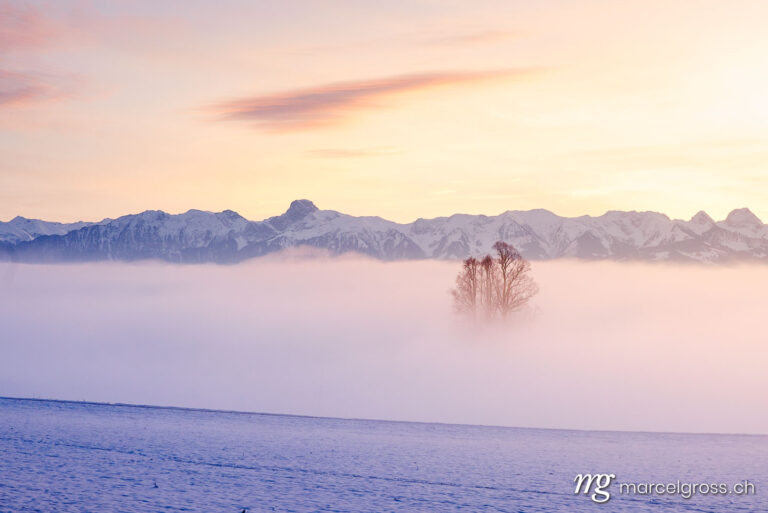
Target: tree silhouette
(494,287)
(468,284)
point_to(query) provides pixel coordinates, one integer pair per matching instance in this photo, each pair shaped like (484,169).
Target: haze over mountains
(227,237)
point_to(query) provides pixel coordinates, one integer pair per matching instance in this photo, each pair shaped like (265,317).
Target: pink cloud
(24,26)
(22,88)
(330,103)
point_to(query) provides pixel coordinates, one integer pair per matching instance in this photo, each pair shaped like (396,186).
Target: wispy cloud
(470,38)
(21,88)
(350,153)
(24,29)
(329,104)
(23,26)
(434,38)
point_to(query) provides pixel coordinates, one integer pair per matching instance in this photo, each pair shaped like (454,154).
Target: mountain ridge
(227,237)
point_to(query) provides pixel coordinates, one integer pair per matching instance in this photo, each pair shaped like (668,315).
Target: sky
(684,351)
(403,109)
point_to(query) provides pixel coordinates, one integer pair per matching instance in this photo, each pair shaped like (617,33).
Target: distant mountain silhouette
(226,237)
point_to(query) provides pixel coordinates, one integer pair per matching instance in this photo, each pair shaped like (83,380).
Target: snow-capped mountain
(21,229)
(198,236)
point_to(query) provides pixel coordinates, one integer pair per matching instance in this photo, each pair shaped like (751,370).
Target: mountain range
(227,237)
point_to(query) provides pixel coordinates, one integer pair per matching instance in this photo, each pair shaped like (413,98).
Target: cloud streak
(329,104)
(350,153)
(471,38)
(24,29)
(22,88)
(23,26)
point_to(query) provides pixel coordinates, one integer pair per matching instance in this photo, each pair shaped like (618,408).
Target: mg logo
(596,484)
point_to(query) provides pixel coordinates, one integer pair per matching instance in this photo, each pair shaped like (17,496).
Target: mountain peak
(300,208)
(743,218)
(231,214)
(702,218)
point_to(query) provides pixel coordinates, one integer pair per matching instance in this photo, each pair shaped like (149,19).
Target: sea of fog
(76,457)
(613,346)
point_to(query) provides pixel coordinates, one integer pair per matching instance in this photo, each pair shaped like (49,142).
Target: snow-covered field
(78,457)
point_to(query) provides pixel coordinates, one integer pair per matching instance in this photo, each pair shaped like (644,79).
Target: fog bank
(607,345)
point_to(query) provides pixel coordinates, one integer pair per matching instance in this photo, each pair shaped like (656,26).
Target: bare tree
(496,286)
(516,287)
(465,293)
(488,286)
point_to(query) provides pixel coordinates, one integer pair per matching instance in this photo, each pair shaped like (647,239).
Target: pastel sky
(403,109)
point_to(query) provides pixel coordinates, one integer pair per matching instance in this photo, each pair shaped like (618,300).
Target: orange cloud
(329,104)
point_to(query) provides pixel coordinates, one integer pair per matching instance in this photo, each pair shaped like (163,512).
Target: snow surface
(77,457)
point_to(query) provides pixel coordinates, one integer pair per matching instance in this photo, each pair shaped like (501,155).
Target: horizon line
(634,211)
(360,419)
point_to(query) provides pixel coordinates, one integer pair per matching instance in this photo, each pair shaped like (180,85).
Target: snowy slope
(199,236)
(71,457)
